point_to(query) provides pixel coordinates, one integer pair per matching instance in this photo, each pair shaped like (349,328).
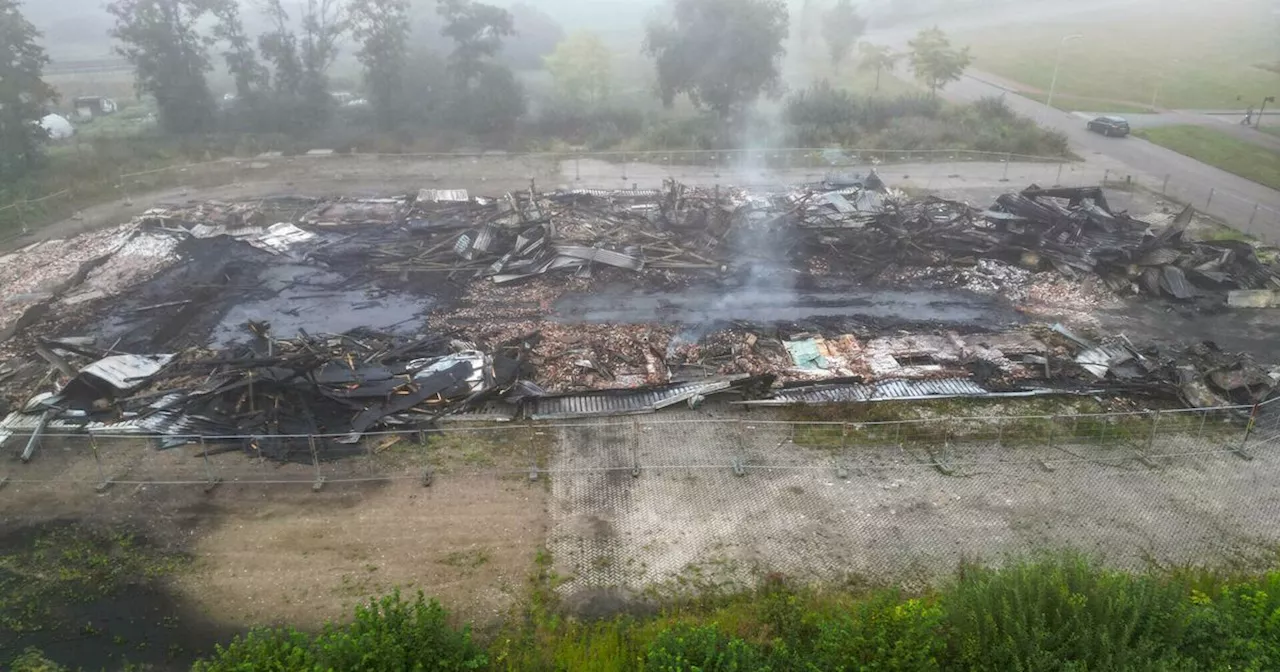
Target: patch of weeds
(1218,232)
(468,560)
(358,585)
(70,565)
(501,447)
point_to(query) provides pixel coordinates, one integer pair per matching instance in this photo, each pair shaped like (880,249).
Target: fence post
(533,454)
(1212,191)
(1242,452)
(103,481)
(738,462)
(842,471)
(428,475)
(210,482)
(1151,440)
(315,459)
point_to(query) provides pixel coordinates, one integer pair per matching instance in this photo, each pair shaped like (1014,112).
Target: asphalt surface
(1242,203)
(1218,192)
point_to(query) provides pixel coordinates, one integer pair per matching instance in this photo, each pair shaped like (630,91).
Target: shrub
(878,113)
(32,660)
(1062,614)
(686,648)
(823,106)
(598,127)
(701,132)
(883,633)
(283,650)
(1235,627)
(387,635)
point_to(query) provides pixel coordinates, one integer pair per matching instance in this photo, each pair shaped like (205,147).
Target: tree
(24,95)
(323,24)
(841,28)
(492,106)
(477,31)
(280,48)
(170,56)
(723,54)
(581,68)
(878,58)
(382,29)
(242,62)
(934,61)
(536,37)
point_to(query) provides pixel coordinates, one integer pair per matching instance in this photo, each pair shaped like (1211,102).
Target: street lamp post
(1054,84)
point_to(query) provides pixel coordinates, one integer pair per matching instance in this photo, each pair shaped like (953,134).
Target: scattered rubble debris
(304,317)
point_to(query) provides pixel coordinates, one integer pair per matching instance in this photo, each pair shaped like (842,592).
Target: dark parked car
(1110,126)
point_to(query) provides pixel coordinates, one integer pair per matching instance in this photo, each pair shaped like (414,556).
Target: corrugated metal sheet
(1099,360)
(890,390)
(493,411)
(591,404)
(617,193)
(125,372)
(278,238)
(601,256)
(443,196)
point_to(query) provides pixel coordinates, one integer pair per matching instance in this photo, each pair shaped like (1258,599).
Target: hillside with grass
(1198,55)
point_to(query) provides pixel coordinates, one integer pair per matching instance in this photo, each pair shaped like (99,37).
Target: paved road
(1218,122)
(1242,203)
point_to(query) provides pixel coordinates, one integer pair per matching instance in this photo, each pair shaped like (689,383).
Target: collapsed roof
(299,351)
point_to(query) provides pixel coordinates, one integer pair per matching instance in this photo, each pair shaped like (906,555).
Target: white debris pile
(37,272)
(139,259)
(988,277)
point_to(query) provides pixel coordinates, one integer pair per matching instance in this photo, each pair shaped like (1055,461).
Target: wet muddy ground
(771,305)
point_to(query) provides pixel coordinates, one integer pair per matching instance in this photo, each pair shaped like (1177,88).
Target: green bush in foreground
(387,634)
(1060,614)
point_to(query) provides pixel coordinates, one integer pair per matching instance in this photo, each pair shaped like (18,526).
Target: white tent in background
(57,127)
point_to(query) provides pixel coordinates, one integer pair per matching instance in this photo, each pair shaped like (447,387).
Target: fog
(77,29)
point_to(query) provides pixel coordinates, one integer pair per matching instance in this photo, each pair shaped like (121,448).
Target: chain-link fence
(742,444)
(711,498)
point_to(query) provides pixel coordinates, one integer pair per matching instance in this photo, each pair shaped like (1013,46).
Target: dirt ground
(686,520)
(276,554)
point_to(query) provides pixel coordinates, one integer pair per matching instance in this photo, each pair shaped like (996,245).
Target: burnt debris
(297,356)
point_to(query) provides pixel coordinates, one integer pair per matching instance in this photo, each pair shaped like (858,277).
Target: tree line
(722,55)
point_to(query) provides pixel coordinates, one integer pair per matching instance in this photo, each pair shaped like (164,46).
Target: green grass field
(1221,150)
(1203,55)
(1074,103)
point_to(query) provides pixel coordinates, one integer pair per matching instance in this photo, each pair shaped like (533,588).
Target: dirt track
(370,176)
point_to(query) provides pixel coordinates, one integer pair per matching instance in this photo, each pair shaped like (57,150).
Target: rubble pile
(209,340)
(1070,231)
(301,386)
